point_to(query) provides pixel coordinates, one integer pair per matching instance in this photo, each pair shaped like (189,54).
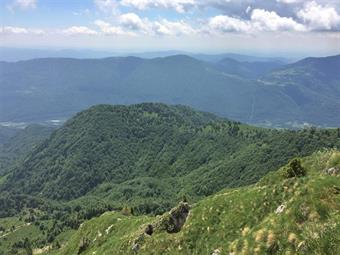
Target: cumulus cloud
(108,29)
(263,20)
(319,17)
(79,30)
(177,5)
(131,24)
(170,28)
(132,21)
(225,24)
(260,20)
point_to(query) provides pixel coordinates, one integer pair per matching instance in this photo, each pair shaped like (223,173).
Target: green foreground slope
(278,215)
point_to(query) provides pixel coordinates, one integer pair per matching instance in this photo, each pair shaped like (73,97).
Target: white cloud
(132,21)
(165,27)
(177,5)
(263,20)
(79,30)
(260,20)
(224,24)
(108,29)
(13,30)
(20,30)
(319,17)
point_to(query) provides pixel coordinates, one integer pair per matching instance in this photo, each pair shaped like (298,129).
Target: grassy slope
(240,220)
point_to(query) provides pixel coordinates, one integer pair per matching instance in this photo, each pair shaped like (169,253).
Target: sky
(242,26)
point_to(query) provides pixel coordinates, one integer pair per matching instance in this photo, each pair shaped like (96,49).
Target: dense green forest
(16,143)
(142,159)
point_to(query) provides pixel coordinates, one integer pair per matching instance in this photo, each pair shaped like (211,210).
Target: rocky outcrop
(171,222)
(83,244)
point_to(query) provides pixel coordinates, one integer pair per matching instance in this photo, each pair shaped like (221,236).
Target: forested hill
(150,155)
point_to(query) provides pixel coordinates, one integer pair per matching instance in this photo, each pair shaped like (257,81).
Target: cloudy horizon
(280,26)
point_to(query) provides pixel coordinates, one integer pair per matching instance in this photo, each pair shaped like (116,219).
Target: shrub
(294,169)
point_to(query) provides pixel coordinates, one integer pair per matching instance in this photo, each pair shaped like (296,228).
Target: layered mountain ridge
(262,93)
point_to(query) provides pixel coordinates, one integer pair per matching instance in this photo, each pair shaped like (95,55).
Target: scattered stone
(216,252)
(332,171)
(280,209)
(108,229)
(135,247)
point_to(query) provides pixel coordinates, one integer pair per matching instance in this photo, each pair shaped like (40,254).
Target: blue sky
(281,26)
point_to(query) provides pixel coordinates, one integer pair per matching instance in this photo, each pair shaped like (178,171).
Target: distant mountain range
(262,92)
(18,54)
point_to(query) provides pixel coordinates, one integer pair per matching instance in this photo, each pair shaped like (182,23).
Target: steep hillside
(250,70)
(6,133)
(313,84)
(45,89)
(19,143)
(281,214)
(150,155)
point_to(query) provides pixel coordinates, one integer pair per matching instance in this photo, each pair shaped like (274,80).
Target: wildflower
(292,238)
(245,231)
(271,239)
(259,235)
